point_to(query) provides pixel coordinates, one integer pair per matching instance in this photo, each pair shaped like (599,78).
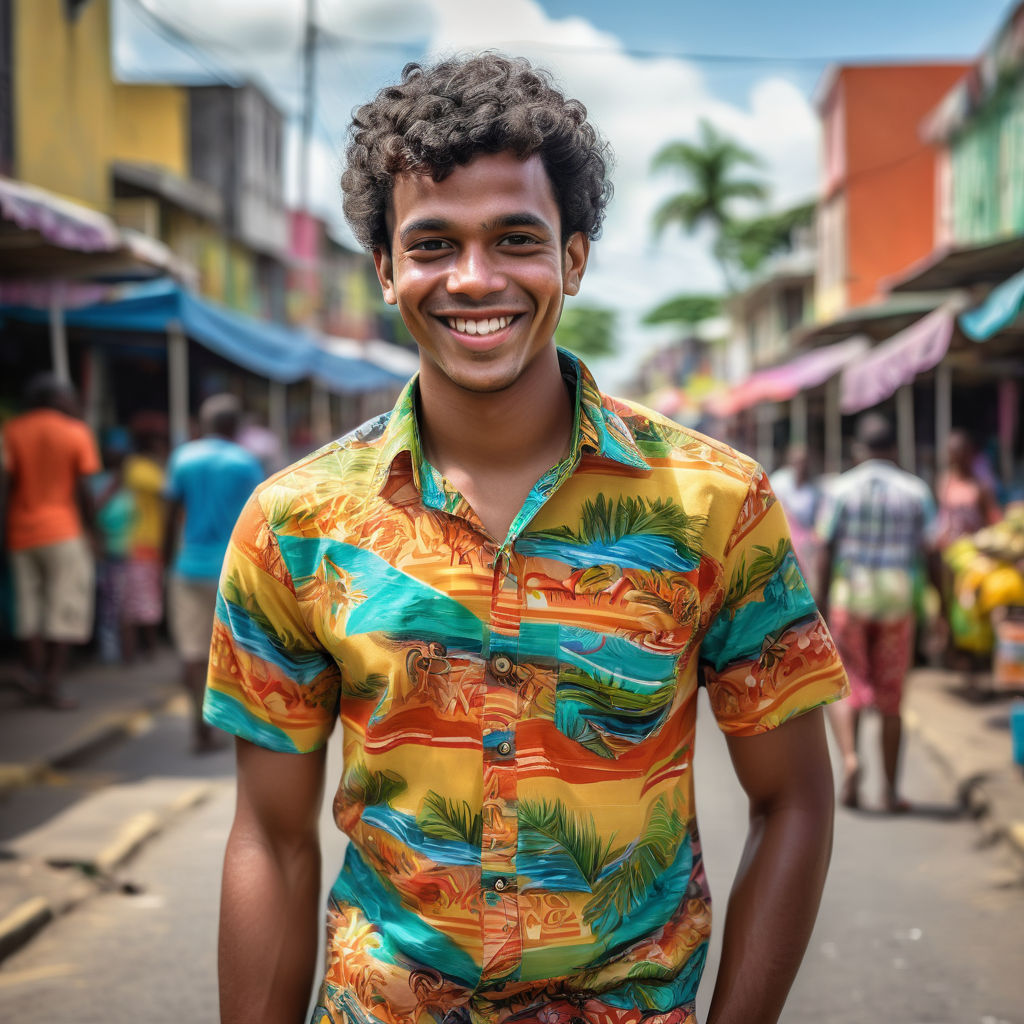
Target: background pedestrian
(208,482)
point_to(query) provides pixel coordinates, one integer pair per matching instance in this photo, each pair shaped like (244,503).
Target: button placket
(501,935)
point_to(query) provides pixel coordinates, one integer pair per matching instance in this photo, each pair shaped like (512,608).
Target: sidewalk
(76,852)
(969,739)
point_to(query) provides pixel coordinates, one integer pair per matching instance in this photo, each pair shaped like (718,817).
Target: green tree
(688,310)
(588,331)
(711,168)
(750,242)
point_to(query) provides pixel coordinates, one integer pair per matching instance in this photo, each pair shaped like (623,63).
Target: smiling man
(508,590)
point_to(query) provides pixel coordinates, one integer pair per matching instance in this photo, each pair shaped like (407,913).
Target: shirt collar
(597,430)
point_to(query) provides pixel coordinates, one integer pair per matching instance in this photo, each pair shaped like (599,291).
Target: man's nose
(475,274)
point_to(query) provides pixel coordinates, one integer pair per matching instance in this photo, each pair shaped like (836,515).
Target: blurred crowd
(967,581)
(115,544)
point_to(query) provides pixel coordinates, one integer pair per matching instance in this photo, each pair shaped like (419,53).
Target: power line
(331,38)
(173,35)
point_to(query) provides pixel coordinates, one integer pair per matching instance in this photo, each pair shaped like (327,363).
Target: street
(919,924)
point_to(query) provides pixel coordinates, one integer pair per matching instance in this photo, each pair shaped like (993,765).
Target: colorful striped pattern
(517,718)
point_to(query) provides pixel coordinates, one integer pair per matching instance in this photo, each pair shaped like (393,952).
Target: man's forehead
(485,180)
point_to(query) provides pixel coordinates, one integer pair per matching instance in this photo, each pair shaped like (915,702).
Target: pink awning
(893,363)
(780,383)
(60,221)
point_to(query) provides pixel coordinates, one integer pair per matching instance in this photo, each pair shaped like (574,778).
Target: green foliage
(578,684)
(442,818)
(685,309)
(761,569)
(371,788)
(602,522)
(648,971)
(369,688)
(588,331)
(628,884)
(545,828)
(750,242)
(710,168)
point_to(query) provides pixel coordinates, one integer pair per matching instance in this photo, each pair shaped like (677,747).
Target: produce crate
(1008,659)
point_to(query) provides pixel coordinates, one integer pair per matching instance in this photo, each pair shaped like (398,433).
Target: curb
(971,790)
(86,879)
(93,737)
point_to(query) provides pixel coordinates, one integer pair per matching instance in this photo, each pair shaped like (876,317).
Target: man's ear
(577,249)
(385,274)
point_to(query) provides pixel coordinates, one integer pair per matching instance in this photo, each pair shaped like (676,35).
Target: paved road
(918,925)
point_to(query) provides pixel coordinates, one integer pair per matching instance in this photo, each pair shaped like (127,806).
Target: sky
(647,70)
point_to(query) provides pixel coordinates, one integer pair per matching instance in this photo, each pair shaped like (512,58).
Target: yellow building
(71,119)
(125,148)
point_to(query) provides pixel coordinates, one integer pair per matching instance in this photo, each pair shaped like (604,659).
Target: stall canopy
(781,383)
(269,350)
(44,236)
(999,309)
(893,363)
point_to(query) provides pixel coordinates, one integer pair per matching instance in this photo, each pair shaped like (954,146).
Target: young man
(876,526)
(507,589)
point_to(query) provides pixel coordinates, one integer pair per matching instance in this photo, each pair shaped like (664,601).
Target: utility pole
(308,102)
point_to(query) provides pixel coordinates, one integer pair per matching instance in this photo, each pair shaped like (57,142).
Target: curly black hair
(442,116)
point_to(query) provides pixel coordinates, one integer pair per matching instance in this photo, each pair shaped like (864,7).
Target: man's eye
(429,245)
(519,239)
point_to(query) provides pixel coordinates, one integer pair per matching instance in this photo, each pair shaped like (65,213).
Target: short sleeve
(270,680)
(767,655)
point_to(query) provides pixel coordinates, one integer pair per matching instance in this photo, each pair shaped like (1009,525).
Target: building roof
(194,196)
(876,320)
(1003,59)
(960,266)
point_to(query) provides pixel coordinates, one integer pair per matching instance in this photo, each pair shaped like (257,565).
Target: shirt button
(504,748)
(501,664)
(500,884)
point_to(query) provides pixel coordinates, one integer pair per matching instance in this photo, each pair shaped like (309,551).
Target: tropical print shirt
(517,714)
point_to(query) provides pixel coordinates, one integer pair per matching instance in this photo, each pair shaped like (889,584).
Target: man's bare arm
(269,913)
(774,901)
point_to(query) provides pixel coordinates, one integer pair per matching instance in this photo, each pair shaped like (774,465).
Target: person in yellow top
(144,477)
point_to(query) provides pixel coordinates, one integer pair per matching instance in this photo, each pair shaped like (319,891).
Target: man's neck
(509,430)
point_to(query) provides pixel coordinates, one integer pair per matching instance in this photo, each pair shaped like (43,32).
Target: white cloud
(639,104)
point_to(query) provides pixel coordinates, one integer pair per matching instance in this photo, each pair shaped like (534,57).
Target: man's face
(478,270)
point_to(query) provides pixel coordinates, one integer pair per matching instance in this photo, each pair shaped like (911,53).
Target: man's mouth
(480,328)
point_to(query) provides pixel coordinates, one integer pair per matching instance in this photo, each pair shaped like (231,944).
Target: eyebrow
(508,220)
(517,220)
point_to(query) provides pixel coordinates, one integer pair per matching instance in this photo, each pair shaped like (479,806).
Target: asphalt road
(919,925)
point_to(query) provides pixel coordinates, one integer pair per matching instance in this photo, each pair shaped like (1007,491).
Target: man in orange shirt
(47,453)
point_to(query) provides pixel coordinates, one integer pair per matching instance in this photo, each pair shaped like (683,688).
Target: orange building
(877,210)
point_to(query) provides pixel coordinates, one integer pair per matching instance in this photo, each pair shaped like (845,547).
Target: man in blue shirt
(208,482)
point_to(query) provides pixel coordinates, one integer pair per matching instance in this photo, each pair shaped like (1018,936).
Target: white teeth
(478,327)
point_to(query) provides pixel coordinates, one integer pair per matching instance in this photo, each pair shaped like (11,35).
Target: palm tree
(710,166)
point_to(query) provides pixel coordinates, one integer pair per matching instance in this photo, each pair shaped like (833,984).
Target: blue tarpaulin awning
(999,309)
(267,349)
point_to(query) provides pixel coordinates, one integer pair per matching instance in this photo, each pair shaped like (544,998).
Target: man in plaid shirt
(875,525)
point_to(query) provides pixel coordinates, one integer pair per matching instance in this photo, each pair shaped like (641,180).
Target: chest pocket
(611,694)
